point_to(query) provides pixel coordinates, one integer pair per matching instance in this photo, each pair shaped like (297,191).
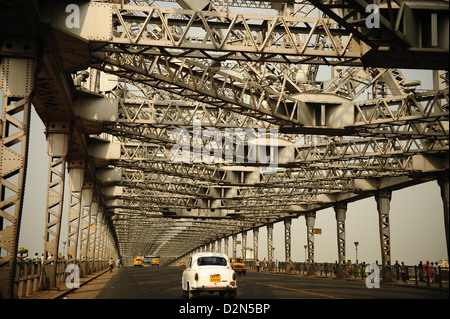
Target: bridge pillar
(93,225)
(217,246)
(101,244)
(58,134)
(383,199)
(270,247)
(105,245)
(87,194)
(98,233)
(76,179)
(244,245)
(234,245)
(310,221)
(340,210)
(255,244)
(287,239)
(17,75)
(226,244)
(444,185)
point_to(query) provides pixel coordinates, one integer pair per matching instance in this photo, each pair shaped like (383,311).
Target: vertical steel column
(287,239)
(340,211)
(270,245)
(310,220)
(16,83)
(255,243)
(92,233)
(226,244)
(217,245)
(57,148)
(443,184)
(107,245)
(244,245)
(234,245)
(86,202)
(383,199)
(76,179)
(93,240)
(101,235)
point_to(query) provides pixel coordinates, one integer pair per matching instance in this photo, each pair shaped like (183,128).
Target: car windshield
(212,261)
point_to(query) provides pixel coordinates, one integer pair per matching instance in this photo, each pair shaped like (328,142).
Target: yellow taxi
(138,262)
(238,265)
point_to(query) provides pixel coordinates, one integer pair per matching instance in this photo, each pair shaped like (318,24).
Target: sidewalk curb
(69,291)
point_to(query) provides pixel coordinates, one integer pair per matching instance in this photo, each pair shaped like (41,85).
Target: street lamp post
(356,246)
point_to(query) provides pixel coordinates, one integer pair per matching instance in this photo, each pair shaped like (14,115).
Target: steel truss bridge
(113,80)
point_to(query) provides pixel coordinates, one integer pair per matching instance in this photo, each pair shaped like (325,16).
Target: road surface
(165,283)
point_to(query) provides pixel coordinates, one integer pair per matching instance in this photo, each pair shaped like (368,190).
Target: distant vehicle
(209,272)
(238,265)
(151,261)
(155,261)
(138,262)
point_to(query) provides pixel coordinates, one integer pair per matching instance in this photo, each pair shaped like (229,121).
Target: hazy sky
(416,217)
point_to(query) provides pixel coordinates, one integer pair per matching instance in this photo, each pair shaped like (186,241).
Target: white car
(208,272)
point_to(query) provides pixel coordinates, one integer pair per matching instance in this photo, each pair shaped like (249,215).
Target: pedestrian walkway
(63,290)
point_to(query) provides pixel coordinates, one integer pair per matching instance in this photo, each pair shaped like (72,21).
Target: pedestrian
(403,271)
(119,262)
(343,270)
(433,273)
(420,271)
(36,258)
(427,270)
(397,270)
(257,265)
(437,272)
(111,264)
(363,270)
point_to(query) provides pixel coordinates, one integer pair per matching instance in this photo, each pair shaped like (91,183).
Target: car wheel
(191,294)
(184,293)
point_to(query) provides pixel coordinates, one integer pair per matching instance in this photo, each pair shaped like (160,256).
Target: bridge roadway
(165,283)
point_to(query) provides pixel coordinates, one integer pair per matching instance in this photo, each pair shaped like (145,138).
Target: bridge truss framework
(113,80)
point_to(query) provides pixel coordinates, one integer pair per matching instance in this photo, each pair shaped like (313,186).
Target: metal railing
(33,276)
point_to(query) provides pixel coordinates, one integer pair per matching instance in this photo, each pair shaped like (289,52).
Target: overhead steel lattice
(184,122)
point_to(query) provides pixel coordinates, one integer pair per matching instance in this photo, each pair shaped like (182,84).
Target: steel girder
(404,132)
(414,32)
(17,75)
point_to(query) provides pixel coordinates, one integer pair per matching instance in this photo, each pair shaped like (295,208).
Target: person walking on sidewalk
(111,264)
